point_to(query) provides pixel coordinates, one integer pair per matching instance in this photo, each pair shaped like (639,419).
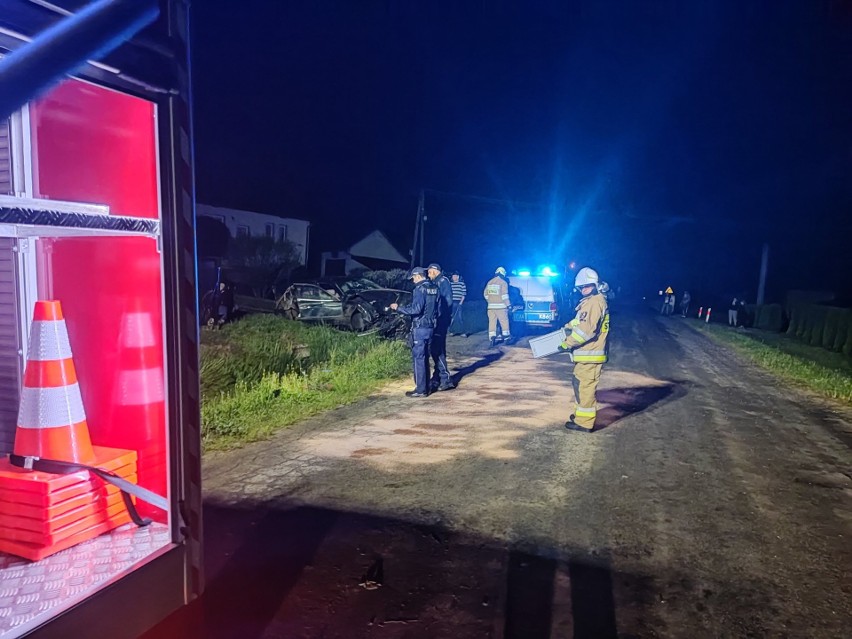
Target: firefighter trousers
(585,382)
(498,315)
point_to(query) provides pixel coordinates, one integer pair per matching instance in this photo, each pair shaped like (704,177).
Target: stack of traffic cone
(42,513)
(139,399)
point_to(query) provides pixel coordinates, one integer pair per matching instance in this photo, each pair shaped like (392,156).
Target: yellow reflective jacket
(589,330)
(496,293)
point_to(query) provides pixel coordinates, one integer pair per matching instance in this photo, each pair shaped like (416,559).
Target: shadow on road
(482,362)
(621,402)
(295,572)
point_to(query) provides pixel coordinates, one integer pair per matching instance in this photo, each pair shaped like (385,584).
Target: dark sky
(659,141)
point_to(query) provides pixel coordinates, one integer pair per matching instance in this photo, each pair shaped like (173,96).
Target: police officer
(424,312)
(441,379)
(587,342)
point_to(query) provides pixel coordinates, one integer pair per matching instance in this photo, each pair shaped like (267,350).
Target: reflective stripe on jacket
(496,292)
(589,330)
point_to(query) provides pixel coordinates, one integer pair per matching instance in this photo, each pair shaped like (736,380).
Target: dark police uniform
(424,312)
(438,348)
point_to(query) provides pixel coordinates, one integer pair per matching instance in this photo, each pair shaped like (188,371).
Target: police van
(537,299)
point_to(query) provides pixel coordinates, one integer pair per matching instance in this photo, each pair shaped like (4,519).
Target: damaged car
(356,304)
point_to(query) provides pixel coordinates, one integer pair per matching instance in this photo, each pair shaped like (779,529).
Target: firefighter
(423,311)
(496,293)
(441,379)
(587,341)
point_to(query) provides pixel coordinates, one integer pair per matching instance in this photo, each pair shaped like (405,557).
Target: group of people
(435,301)
(431,312)
(670,299)
(736,309)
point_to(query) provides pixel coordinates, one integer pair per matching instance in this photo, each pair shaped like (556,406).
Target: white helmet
(586,276)
(500,271)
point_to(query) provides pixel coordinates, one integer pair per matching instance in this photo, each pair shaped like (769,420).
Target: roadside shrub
(824,326)
(264,372)
(246,350)
(394,278)
(817,316)
(768,317)
(795,320)
(844,331)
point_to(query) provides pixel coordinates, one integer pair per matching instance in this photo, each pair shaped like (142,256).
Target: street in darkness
(712,499)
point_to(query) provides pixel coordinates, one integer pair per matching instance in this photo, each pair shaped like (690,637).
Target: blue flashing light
(524,273)
(546,271)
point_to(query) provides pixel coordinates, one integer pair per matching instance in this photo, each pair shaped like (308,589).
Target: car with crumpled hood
(356,304)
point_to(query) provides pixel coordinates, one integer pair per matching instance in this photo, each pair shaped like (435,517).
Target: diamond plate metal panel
(61,219)
(31,593)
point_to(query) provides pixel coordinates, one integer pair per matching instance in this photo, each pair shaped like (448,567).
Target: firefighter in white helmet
(586,338)
(496,293)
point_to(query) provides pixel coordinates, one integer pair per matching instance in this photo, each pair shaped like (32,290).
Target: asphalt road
(713,502)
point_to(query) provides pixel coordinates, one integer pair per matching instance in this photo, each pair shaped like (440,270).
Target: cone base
(40,484)
(55,499)
(35,552)
(63,500)
(112,513)
(83,506)
(65,443)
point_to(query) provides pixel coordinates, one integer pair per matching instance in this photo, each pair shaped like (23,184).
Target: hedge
(768,317)
(825,326)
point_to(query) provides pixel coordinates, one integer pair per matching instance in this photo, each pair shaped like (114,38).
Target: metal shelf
(27,217)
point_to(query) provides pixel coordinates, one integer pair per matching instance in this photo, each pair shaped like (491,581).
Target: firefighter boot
(572,425)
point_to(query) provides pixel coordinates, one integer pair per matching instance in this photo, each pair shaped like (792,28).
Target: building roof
(376,246)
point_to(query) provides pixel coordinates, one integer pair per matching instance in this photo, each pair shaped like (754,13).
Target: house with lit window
(252,224)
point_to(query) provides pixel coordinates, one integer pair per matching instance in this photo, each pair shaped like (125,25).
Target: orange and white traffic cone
(139,399)
(49,510)
(51,419)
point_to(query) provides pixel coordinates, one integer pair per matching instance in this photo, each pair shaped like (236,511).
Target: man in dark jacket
(423,311)
(441,379)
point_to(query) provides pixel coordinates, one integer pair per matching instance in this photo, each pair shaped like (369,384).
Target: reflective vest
(496,293)
(589,330)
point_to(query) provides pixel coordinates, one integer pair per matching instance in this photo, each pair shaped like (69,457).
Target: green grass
(263,373)
(826,373)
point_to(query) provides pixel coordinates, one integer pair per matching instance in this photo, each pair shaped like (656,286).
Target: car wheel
(358,322)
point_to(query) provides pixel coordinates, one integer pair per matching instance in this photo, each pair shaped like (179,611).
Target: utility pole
(764,265)
(417,228)
(422,223)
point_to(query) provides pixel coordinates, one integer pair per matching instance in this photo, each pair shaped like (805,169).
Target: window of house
(282,233)
(243,231)
(270,230)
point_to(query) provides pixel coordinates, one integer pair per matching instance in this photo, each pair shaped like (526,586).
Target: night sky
(661,142)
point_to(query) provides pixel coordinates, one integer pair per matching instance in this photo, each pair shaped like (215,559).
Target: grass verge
(825,373)
(264,372)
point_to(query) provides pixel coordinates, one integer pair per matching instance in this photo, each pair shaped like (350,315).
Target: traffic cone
(51,419)
(139,399)
(44,512)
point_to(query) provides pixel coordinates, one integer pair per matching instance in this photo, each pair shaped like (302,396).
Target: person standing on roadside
(423,311)
(732,312)
(459,293)
(496,293)
(684,303)
(441,379)
(586,339)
